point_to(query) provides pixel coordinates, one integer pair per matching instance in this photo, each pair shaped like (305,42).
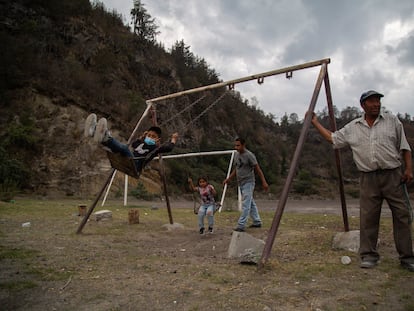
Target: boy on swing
(144,149)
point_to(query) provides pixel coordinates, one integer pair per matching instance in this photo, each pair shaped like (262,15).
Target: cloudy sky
(370,44)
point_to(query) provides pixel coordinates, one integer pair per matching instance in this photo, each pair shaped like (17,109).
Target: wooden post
(133,216)
(82,209)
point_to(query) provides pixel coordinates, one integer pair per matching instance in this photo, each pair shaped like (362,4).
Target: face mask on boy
(149,141)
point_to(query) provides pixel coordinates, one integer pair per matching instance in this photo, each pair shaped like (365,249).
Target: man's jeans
(249,206)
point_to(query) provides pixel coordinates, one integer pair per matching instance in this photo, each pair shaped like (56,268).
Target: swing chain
(205,110)
(184,110)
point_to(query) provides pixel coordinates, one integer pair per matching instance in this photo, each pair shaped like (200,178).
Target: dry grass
(116,266)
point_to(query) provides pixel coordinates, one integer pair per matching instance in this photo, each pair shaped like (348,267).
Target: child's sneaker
(101,132)
(201,230)
(90,125)
(210,230)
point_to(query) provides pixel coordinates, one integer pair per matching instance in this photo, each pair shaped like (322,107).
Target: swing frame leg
(91,208)
(164,183)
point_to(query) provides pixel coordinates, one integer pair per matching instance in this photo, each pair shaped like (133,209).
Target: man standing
(245,167)
(378,142)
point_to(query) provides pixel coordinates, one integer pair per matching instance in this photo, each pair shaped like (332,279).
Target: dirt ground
(116,266)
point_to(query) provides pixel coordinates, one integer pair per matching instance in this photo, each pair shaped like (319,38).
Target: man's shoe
(408,266)
(210,229)
(201,230)
(255,226)
(368,264)
(90,125)
(239,229)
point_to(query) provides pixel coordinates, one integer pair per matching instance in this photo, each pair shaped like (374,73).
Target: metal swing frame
(127,165)
(323,78)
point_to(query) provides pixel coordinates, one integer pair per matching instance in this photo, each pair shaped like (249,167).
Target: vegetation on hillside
(77,54)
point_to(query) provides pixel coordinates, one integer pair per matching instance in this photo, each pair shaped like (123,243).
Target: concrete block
(245,247)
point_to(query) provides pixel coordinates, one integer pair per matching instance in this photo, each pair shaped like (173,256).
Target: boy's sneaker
(90,125)
(101,132)
(210,230)
(201,230)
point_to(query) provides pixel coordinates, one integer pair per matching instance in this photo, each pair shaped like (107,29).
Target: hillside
(61,61)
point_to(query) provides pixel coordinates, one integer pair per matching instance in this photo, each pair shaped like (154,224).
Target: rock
(347,241)
(345,260)
(245,247)
(103,215)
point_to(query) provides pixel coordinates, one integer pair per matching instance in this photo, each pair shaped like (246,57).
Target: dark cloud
(404,51)
(370,43)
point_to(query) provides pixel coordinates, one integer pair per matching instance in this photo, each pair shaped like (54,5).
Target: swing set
(126,165)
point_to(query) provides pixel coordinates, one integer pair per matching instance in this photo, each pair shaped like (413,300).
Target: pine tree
(144,25)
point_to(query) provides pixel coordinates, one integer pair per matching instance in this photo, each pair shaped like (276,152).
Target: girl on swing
(207,208)
(145,148)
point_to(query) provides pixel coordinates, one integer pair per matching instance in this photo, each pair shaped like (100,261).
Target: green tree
(304,184)
(144,25)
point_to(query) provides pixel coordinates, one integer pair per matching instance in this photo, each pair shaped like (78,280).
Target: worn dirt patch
(116,266)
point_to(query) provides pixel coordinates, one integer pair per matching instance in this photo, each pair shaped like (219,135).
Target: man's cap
(367,94)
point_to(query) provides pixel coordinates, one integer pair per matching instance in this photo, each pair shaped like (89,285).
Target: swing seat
(124,164)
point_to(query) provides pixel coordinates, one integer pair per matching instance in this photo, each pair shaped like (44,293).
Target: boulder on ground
(245,247)
(347,241)
(103,215)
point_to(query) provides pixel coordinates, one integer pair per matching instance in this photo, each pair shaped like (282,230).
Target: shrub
(141,193)
(8,190)
(304,183)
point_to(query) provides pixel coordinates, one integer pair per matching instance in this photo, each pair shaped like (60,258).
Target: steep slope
(61,65)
